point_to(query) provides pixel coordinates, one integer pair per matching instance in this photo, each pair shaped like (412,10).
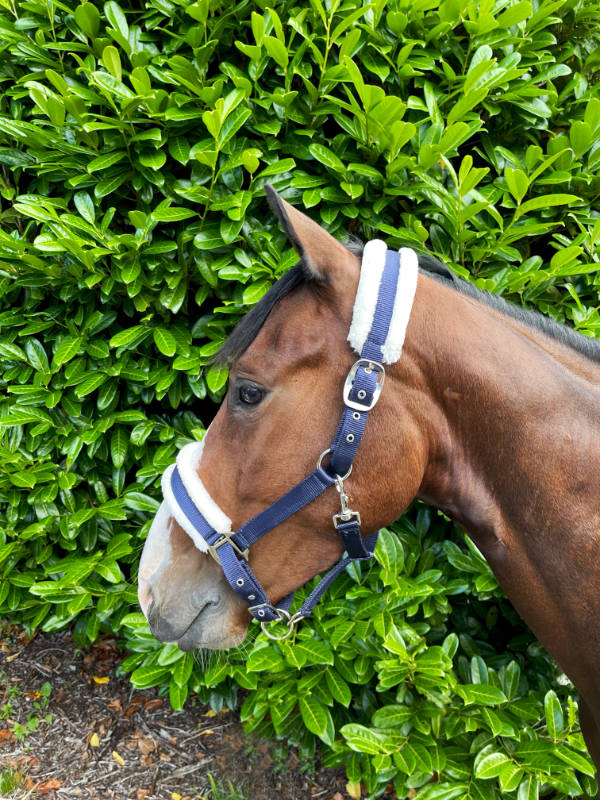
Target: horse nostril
(201,600)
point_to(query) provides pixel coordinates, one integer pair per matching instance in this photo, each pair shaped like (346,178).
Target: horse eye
(250,395)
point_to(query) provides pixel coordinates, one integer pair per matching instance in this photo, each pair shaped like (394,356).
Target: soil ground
(70,728)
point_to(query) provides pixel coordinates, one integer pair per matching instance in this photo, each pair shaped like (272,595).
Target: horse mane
(246,330)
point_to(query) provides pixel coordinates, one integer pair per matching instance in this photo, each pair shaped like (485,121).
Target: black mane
(248,327)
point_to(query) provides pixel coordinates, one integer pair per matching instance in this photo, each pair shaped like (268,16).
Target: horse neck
(511,418)
(509,402)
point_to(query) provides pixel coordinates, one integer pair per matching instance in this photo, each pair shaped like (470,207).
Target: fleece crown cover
(371,273)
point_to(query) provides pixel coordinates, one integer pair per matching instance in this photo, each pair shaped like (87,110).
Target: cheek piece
(382,308)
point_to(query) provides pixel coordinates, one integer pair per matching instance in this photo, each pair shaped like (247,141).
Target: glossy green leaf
(263,660)
(144,677)
(117,18)
(481,693)
(112,61)
(362,739)
(216,378)
(118,446)
(491,765)
(575,760)
(177,695)
(327,157)
(90,384)
(315,652)
(164,341)
(554,715)
(87,18)
(517,183)
(66,350)
(85,205)
(172,214)
(141,502)
(36,355)
(528,789)
(314,715)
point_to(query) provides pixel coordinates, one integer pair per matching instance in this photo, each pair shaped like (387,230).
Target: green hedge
(134,146)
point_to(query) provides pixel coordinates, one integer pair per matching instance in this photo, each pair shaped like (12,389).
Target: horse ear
(322,255)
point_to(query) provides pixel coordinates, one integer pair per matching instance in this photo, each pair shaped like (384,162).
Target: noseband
(382,310)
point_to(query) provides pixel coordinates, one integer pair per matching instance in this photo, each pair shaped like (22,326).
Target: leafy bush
(135,144)
(414,668)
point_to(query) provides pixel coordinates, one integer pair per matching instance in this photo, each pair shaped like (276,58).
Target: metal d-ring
(284,616)
(320,461)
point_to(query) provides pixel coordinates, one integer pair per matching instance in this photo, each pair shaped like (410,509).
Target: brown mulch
(107,740)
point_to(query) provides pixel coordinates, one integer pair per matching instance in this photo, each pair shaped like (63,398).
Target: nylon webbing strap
(301,495)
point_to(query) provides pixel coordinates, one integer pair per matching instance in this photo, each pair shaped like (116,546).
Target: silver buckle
(226,537)
(370,366)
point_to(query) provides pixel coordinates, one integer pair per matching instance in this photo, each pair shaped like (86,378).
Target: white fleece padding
(373,262)
(367,293)
(403,303)
(188,460)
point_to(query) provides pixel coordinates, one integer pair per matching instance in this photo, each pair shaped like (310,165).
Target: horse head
(288,360)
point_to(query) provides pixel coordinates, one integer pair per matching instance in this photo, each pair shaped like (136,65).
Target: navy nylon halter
(361,392)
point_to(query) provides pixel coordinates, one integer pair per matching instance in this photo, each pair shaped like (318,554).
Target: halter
(382,310)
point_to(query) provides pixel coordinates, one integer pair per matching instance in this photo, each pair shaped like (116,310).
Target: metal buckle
(346,514)
(284,616)
(369,366)
(226,537)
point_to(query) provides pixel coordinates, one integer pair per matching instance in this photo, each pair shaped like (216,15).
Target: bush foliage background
(134,145)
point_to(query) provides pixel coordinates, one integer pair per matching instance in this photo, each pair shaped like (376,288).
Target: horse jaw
(183,593)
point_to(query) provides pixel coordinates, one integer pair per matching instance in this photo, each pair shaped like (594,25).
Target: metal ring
(320,461)
(284,616)
(291,621)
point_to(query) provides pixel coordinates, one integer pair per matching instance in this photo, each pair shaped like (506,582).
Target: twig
(180,771)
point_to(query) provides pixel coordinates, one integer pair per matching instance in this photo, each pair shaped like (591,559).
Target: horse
(490,415)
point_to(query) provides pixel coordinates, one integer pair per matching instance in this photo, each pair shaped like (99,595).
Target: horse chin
(212,630)
(202,640)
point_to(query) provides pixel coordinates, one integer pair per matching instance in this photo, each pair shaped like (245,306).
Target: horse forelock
(247,329)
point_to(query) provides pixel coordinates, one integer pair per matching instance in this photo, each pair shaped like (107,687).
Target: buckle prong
(369,366)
